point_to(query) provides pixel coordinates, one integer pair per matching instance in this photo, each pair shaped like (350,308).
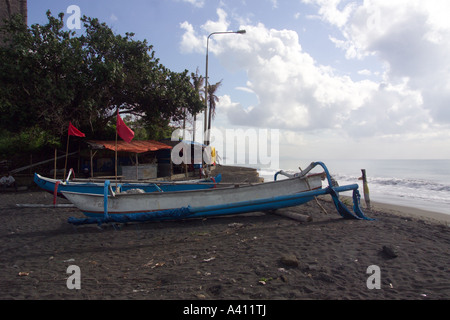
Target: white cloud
(297,94)
(113,18)
(196,3)
(409,36)
(365,72)
(193,42)
(245,89)
(190,41)
(274,3)
(328,11)
(220,25)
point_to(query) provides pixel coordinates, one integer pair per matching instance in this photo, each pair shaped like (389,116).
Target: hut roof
(133,147)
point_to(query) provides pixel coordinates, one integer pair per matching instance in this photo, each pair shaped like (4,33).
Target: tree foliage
(212,98)
(50,76)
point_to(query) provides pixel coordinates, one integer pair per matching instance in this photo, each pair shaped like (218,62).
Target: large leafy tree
(50,76)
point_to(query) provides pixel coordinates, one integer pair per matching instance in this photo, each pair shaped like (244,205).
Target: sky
(332,79)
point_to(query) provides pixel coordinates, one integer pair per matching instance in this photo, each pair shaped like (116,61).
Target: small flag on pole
(124,132)
(75,132)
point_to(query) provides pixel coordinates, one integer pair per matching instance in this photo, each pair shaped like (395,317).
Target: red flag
(124,132)
(74,131)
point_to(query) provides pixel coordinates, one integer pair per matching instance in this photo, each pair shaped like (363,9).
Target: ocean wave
(420,193)
(397,182)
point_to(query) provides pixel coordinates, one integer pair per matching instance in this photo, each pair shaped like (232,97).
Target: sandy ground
(257,256)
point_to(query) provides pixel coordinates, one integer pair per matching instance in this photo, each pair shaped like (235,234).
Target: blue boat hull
(90,187)
(201,212)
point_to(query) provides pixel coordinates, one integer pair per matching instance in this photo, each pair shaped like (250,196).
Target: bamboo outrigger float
(156,206)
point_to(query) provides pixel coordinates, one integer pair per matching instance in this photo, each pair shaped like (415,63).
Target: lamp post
(207,125)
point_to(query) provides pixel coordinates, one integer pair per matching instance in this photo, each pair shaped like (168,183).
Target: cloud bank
(296,93)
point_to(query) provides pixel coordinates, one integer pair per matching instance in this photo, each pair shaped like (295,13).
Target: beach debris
(209,259)
(236,225)
(23,274)
(159,264)
(283,270)
(289,260)
(70,260)
(263,281)
(293,215)
(153,265)
(139,290)
(200,234)
(389,252)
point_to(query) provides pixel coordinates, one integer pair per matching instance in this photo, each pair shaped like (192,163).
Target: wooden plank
(39,163)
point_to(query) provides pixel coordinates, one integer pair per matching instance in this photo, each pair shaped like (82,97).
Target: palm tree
(212,88)
(197,83)
(212,99)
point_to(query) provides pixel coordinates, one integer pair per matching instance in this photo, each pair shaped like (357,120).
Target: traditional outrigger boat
(296,190)
(58,186)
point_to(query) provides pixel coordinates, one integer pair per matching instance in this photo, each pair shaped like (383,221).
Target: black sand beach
(257,256)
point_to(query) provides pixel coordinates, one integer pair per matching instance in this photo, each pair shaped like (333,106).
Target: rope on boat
(315,198)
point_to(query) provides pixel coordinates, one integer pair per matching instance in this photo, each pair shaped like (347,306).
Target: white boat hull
(92,205)
(296,190)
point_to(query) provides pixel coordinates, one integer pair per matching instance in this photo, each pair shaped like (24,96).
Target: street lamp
(207,125)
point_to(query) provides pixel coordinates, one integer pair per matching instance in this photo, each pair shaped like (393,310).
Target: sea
(422,184)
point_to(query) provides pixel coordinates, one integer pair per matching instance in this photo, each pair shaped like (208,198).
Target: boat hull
(199,203)
(296,190)
(97,188)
